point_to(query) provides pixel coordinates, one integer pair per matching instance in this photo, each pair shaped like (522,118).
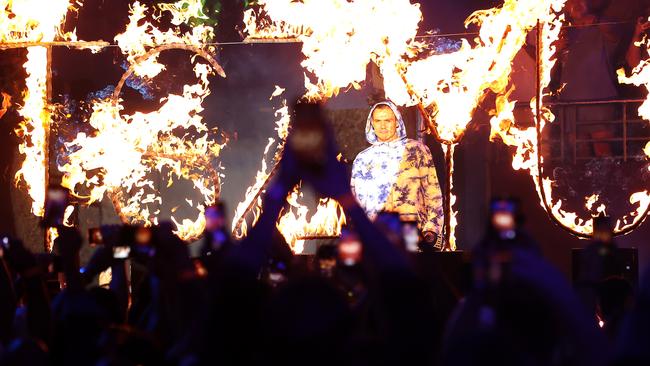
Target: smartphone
(4,245)
(56,201)
(121,252)
(308,138)
(503,218)
(215,219)
(350,251)
(5,242)
(391,225)
(95,237)
(276,273)
(142,236)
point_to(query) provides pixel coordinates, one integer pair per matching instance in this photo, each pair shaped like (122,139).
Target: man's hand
(433,239)
(430,236)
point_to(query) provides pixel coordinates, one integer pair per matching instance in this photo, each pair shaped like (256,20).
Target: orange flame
(339,37)
(23,21)
(526,156)
(173,140)
(296,225)
(141,35)
(6,103)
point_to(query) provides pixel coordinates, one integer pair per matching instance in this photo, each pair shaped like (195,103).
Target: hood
(370,132)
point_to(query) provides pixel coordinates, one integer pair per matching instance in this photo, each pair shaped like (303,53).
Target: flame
(253,198)
(294,223)
(33,20)
(51,233)
(24,21)
(67,216)
(6,103)
(450,86)
(296,226)
(339,37)
(453,220)
(126,148)
(183,11)
(141,35)
(591,200)
(526,155)
(35,129)
(453,84)
(50,236)
(117,159)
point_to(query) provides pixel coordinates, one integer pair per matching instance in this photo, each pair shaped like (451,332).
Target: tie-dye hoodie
(398,176)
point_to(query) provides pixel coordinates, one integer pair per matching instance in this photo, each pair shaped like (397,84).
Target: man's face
(384,123)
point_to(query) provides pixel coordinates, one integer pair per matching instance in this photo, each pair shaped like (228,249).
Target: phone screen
(503,218)
(411,236)
(214,218)
(121,252)
(349,250)
(503,221)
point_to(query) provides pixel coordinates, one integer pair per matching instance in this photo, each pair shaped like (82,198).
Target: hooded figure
(396,174)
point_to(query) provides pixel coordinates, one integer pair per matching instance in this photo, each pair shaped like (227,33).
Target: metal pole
(46,127)
(449,156)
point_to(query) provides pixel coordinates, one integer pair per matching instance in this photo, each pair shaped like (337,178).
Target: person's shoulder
(364,153)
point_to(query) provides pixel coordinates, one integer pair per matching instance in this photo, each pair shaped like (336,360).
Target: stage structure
(445,87)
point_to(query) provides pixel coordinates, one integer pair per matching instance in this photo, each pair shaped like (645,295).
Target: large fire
(297,226)
(31,21)
(339,37)
(118,159)
(525,140)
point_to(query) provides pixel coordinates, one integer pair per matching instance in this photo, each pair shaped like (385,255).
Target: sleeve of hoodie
(357,178)
(432,205)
